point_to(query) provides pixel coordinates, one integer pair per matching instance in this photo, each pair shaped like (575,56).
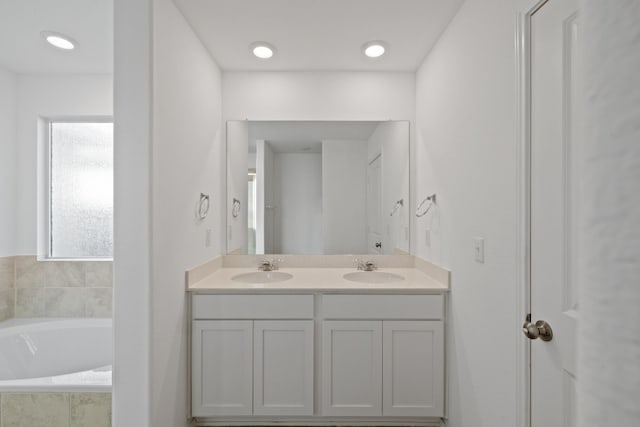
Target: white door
(413,368)
(283,367)
(555,143)
(352,368)
(374,206)
(222,364)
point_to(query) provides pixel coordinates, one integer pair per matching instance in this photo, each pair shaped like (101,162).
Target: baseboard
(318,421)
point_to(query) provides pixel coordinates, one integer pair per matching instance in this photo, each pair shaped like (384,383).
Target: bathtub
(43,355)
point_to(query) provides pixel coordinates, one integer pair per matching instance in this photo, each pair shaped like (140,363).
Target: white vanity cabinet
(222,366)
(283,367)
(244,362)
(413,368)
(390,366)
(374,358)
(352,368)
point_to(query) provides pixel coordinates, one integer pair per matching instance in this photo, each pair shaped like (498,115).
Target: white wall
(49,96)
(8,157)
(608,350)
(187,160)
(318,95)
(298,180)
(344,196)
(466,152)
(132,213)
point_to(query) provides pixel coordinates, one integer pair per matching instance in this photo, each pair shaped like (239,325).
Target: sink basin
(373,277)
(262,277)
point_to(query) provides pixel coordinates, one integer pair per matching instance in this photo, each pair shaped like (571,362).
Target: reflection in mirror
(318,187)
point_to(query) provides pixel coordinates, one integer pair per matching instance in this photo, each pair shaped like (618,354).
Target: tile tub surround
(62,288)
(7,288)
(55,409)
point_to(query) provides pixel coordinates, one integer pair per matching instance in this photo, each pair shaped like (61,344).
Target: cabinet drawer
(252,307)
(427,307)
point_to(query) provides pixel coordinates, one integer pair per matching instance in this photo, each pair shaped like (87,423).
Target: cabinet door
(222,367)
(413,371)
(352,368)
(283,367)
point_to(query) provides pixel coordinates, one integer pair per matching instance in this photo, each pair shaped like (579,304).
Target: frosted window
(81,212)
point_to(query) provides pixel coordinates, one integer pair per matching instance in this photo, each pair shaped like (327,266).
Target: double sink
(259,277)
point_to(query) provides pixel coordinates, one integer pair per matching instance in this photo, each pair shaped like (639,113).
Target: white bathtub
(55,354)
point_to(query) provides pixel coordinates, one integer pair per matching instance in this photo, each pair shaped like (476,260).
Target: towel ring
(397,206)
(432,199)
(203,206)
(235,210)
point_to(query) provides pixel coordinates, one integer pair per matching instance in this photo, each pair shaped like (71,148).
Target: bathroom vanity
(307,346)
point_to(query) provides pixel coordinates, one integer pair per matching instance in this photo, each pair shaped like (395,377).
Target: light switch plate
(478,249)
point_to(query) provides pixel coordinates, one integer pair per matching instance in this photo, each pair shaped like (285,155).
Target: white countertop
(310,279)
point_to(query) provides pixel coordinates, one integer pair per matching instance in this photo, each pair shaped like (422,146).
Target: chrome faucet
(269,265)
(365,265)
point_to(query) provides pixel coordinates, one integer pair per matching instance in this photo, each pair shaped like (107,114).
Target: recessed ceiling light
(374,49)
(262,50)
(58,40)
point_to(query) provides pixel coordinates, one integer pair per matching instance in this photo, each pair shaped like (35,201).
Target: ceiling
(90,23)
(319,34)
(308,34)
(291,137)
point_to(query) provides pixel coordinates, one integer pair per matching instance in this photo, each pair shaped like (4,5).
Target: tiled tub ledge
(56,386)
(55,409)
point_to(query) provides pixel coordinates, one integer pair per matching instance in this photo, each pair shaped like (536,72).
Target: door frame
(526,9)
(376,157)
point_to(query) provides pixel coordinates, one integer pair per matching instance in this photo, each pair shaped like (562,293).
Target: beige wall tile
(60,274)
(64,302)
(35,410)
(99,302)
(90,410)
(7,304)
(29,303)
(99,274)
(29,272)
(7,273)
(60,288)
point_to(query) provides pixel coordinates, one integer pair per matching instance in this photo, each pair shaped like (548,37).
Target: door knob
(540,329)
(378,244)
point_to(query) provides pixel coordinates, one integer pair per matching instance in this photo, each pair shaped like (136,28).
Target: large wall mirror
(317,187)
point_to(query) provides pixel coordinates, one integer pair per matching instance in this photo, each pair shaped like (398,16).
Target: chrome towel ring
(397,206)
(419,211)
(235,210)
(203,206)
